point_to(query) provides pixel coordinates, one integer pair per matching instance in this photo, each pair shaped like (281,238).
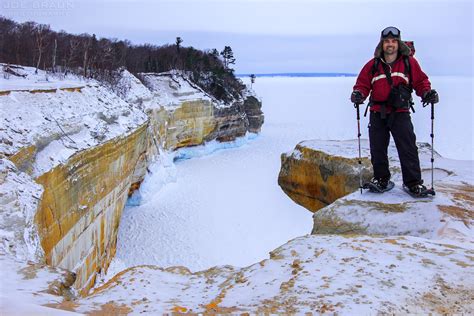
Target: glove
(357,97)
(430,97)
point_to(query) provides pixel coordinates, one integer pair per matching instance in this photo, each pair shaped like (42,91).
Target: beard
(390,50)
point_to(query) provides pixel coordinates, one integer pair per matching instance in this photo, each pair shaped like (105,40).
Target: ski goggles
(391,31)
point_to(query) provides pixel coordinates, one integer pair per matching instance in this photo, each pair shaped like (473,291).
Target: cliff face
(253,109)
(80,210)
(182,114)
(189,124)
(82,144)
(89,149)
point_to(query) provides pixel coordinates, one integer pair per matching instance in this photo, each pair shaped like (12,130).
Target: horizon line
(299,74)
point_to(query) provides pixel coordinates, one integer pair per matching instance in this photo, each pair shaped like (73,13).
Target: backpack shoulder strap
(375,65)
(406,61)
(388,75)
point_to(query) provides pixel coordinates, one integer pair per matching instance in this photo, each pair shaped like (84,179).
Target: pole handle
(356,105)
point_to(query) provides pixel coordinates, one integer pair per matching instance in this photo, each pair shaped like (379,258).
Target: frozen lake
(226,207)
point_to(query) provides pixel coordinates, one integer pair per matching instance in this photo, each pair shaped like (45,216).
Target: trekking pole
(432,146)
(360,155)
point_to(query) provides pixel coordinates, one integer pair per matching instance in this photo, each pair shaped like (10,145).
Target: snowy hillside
(63,117)
(172,88)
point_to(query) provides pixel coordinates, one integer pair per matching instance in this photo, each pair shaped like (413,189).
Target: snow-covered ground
(227,208)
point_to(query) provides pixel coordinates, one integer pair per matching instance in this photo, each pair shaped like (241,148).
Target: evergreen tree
(228,56)
(179,40)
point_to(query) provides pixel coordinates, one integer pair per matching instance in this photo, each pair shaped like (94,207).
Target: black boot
(418,190)
(379,185)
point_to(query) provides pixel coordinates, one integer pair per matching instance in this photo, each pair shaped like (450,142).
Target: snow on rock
(87,143)
(253,109)
(249,92)
(182,114)
(318,172)
(57,122)
(19,198)
(170,89)
(132,90)
(395,213)
(35,289)
(308,274)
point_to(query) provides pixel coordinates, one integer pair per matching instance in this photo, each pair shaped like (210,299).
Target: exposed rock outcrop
(80,210)
(253,109)
(314,273)
(315,178)
(395,213)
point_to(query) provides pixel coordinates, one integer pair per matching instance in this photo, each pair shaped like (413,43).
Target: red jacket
(379,87)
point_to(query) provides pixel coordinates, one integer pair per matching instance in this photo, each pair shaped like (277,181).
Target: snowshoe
(378,186)
(419,191)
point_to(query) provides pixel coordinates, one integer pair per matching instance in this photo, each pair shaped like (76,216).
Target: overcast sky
(270,36)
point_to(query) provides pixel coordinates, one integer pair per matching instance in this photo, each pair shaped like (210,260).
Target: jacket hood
(403,49)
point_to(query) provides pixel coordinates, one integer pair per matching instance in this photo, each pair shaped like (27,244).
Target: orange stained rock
(179,309)
(316,179)
(188,125)
(135,186)
(24,158)
(82,203)
(42,91)
(111,309)
(72,89)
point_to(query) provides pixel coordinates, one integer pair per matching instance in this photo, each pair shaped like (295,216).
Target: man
(389,78)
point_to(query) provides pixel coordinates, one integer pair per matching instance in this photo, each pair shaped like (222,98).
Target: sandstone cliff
(182,114)
(81,143)
(88,148)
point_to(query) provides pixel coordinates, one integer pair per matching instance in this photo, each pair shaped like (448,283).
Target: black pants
(399,124)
